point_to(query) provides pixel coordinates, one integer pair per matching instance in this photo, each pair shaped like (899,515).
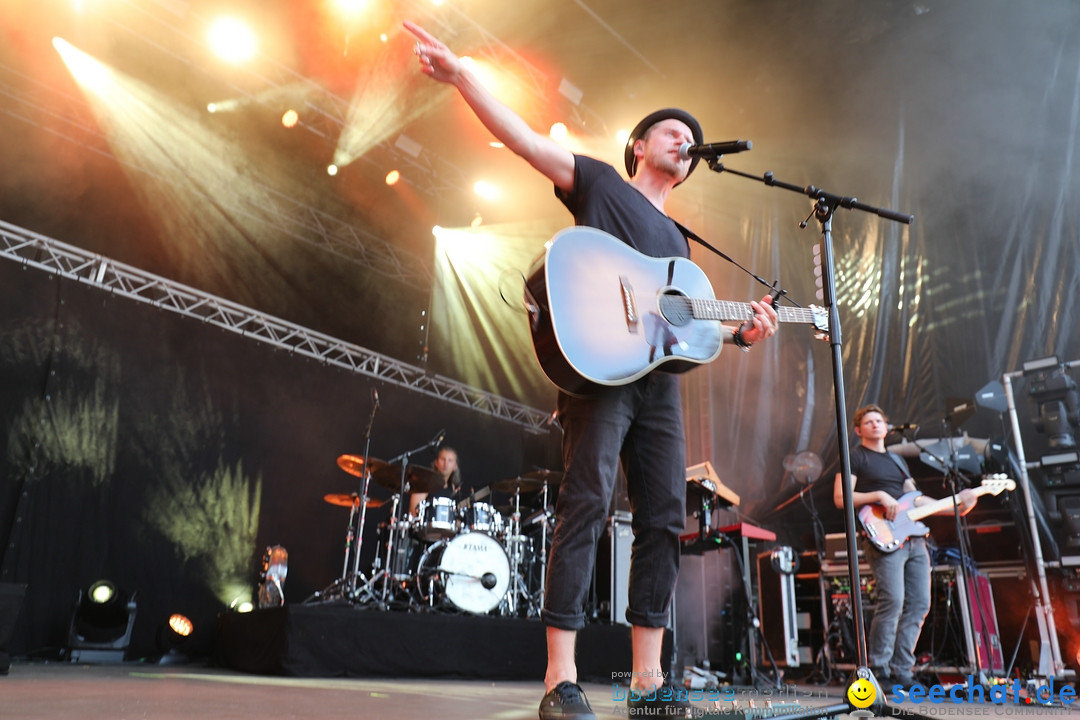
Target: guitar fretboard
(725,310)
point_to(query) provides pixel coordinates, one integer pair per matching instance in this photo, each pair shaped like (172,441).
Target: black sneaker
(665,701)
(567,700)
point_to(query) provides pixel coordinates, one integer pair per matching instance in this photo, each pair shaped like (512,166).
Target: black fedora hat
(651,119)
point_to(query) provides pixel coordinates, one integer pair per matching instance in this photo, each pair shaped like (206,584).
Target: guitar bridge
(629,304)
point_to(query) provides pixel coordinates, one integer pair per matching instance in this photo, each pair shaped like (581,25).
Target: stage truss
(52,256)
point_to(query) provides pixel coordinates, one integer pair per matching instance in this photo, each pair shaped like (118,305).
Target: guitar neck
(728,310)
(918,513)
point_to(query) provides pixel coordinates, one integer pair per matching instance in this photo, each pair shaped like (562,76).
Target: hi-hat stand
(825,205)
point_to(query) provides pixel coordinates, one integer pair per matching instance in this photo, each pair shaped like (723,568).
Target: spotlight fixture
(331,169)
(290,118)
(232,40)
(100,630)
(392,177)
(173,634)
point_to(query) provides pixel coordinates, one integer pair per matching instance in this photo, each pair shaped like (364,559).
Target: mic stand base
(790,711)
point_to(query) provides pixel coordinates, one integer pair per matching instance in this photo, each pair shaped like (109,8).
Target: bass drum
(470,571)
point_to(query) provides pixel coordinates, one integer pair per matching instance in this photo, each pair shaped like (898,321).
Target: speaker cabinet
(612,573)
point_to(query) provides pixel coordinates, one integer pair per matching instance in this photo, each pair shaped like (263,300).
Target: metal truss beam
(52,256)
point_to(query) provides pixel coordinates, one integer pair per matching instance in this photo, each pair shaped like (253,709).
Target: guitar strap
(691,235)
(899,463)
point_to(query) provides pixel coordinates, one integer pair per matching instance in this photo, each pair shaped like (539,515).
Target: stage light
(351,6)
(173,634)
(290,118)
(486,190)
(1055,402)
(331,169)
(232,40)
(242,604)
(558,132)
(477,221)
(100,629)
(392,177)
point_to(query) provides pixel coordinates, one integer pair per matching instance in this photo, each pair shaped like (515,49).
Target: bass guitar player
(902,575)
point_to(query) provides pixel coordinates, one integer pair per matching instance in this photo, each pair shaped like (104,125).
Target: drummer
(446,464)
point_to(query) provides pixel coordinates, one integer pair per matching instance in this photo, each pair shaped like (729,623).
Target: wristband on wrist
(737,338)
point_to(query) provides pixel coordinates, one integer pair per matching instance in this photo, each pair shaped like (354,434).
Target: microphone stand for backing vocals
(970,597)
(824,206)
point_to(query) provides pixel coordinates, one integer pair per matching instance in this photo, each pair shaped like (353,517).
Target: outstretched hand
(436,60)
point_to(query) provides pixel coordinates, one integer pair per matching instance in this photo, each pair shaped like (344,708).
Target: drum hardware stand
(346,585)
(543,545)
(386,575)
(824,206)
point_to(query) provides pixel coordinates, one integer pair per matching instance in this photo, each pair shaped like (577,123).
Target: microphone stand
(824,207)
(954,482)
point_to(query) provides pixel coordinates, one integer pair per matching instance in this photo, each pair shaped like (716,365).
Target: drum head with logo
(471,571)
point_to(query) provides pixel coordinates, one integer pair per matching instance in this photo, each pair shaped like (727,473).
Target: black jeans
(641,425)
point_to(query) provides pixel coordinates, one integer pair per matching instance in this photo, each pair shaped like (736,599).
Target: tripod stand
(865,696)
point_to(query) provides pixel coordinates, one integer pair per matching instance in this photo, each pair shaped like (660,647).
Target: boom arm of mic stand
(816,193)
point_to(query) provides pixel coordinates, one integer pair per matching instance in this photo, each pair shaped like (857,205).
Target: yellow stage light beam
(195,185)
(477,315)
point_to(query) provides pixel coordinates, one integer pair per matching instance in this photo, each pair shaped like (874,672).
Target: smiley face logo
(861,693)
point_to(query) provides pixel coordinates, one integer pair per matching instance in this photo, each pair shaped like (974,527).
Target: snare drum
(437,519)
(482,517)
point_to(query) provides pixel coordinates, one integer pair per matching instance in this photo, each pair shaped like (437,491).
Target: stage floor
(63,690)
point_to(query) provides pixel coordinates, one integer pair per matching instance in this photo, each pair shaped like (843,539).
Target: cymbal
(522,484)
(350,499)
(551,477)
(418,479)
(354,464)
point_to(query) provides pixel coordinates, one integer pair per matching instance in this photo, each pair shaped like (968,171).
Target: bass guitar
(890,535)
(601,313)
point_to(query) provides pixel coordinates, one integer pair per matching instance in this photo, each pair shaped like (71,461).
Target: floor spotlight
(172,637)
(100,629)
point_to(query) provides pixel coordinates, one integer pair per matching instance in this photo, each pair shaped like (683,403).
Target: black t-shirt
(604,200)
(878,471)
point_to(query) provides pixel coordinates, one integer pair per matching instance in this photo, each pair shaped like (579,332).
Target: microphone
(903,426)
(488,580)
(438,438)
(713,150)
(960,408)
(375,396)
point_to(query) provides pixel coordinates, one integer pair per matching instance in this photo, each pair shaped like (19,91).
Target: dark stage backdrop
(165,454)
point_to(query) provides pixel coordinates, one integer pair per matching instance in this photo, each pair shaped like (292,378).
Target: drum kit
(465,555)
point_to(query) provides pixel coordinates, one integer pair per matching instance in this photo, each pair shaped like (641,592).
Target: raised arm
(437,61)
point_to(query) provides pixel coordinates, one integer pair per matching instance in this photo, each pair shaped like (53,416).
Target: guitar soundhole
(675,307)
